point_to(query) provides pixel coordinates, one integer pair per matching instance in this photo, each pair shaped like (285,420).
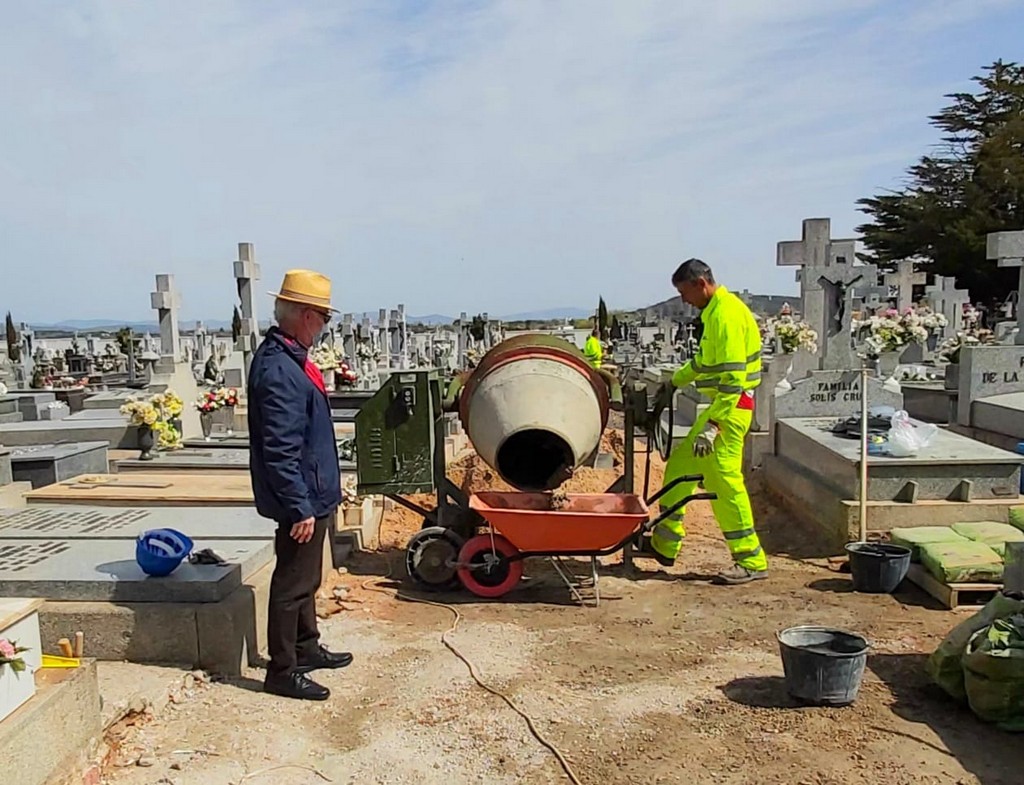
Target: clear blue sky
(558,150)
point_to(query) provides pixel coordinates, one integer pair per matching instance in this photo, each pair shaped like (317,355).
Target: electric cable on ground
(375,584)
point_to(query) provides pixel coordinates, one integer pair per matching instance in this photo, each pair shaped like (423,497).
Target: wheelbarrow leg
(597,588)
(556,562)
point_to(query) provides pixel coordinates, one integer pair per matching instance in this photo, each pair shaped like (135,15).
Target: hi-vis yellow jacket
(728,362)
(593,351)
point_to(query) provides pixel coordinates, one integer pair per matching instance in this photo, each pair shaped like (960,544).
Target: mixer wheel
(486,566)
(430,558)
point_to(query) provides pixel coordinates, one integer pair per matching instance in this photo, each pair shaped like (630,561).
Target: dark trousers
(291,619)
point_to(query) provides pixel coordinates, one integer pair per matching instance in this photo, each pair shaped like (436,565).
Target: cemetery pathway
(669,680)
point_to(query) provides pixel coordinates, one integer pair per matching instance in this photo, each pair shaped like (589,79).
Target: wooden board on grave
(832,394)
(167,490)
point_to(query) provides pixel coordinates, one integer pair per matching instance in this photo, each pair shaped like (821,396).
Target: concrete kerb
(52,737)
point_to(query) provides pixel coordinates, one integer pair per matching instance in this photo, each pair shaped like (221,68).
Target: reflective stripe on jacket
(593,351)
(728,361)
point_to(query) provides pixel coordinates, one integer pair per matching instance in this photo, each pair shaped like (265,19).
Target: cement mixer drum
(534,410)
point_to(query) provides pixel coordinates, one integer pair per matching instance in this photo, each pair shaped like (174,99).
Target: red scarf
(311,370)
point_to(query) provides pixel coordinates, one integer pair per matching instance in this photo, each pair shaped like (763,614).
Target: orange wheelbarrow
(523,524)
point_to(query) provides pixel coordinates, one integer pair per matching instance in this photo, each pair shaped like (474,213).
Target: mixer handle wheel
(665,489)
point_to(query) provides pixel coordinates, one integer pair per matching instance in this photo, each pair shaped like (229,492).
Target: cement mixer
(534,410)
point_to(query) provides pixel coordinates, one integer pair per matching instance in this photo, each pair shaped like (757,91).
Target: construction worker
(593,350)
(726,369)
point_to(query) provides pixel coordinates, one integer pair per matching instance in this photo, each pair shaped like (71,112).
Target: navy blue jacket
(293,456)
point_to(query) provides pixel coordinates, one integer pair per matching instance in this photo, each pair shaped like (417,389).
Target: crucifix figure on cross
(1007,249)
(904,280)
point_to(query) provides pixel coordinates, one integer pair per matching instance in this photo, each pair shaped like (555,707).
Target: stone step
(11,417)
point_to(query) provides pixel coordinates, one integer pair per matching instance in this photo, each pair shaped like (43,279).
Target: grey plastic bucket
(823,666)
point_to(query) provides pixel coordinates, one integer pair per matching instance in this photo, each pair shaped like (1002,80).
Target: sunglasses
(325,317)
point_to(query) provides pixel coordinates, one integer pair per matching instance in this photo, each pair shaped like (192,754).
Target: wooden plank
(166,490)
(955,595)
(14,609)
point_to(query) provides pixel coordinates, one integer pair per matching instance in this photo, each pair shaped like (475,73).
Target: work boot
(323,659)
(738,574)
(645,549)
(295,685)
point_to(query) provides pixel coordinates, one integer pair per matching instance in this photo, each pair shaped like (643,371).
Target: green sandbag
(945,664)
(917,536)
(994,672)
(1017,517)
(962,562)
(991,533)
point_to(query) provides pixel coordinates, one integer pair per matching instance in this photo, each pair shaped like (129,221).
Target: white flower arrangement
(790,335)
(324,357)
(889,331)
(950,348)
(367,351)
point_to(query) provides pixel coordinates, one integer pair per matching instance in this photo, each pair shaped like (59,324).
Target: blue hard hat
(159,551)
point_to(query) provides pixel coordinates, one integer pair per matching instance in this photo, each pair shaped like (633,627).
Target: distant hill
(549,315)
(760,304)
(431,320)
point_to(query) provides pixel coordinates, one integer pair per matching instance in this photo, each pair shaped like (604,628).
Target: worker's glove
(704,444)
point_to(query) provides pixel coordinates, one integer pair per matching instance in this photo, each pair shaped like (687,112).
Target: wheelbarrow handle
(665,489)
(678,506)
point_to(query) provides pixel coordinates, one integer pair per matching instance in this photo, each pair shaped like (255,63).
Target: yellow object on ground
(726,369)
(593,351)
(53,661)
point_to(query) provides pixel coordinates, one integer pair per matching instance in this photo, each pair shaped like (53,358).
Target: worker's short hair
(692,270)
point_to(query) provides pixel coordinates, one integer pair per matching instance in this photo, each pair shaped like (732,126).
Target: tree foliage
(13,340)
(973,184)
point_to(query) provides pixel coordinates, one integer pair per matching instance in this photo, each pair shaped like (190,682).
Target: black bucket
(823,667)
(877,567)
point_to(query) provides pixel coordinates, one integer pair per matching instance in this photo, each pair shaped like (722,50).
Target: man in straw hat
(295,479)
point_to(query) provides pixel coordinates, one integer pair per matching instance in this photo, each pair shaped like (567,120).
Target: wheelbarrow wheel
(487,567)
(430,558)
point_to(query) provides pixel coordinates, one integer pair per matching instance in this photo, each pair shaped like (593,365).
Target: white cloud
(561,149)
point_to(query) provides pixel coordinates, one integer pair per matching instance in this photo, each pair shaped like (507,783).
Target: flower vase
(146,442)
(206,422)
(779,368)
(229,420)
(952,380)
(887,363)
(176,425)
(329,379)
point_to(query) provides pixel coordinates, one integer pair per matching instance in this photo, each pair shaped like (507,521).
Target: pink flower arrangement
(9,651)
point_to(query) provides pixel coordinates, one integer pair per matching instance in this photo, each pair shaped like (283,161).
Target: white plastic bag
(907,438)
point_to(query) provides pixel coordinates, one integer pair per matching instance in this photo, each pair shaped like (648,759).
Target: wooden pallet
(954,596)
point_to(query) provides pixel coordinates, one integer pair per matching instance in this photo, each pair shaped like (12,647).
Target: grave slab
(110,399)
(1001,414)
(195,460)
(113,523)
(832,394)
(105,570)
(89,415)
(46,464)
(116,433)
(929,402)
(937,472)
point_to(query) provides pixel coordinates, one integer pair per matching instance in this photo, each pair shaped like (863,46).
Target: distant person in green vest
(593,350)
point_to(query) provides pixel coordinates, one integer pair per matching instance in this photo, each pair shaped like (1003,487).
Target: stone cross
(905,279)
(463,340)
(247,273)
(1007,248)
(873,299)
(166,301)
(945,298)
(816,254)
(384,335)
(348,337)
(397,334)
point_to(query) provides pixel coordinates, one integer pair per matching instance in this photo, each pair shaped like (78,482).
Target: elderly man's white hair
(285,310)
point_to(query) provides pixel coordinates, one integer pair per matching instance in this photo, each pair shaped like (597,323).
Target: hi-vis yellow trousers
(723,475)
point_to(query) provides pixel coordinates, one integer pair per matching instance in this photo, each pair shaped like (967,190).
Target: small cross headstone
(945,298)
(1007,248)
(247,273)
(348,337)
(166,301)
(904,280)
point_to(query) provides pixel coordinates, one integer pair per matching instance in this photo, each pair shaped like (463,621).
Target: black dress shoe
(323,659)
(295,685)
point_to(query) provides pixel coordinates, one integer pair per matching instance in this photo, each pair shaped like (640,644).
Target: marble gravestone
(945,298)
(46,464)
(903,280)
(832,394)
(991,384)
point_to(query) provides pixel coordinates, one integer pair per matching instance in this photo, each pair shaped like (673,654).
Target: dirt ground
(671,679)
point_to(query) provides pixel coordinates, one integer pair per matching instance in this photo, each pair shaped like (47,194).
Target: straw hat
(306,287)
